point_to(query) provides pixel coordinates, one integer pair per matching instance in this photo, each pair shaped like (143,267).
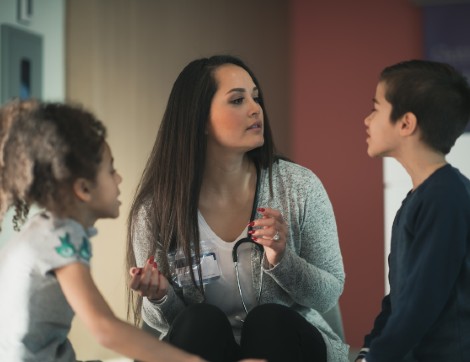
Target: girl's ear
(81,189)
(409,124)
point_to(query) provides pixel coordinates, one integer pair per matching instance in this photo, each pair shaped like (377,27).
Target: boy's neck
(422,163)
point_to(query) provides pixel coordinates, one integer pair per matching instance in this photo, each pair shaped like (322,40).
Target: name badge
(208,265)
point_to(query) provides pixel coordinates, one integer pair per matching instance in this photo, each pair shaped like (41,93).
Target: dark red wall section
(338,50)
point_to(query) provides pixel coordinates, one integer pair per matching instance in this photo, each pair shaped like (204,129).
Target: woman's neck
(226,175)
(227,195)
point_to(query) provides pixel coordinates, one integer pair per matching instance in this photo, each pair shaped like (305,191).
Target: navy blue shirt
(426,316)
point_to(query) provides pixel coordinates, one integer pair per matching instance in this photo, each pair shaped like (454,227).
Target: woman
(213,179)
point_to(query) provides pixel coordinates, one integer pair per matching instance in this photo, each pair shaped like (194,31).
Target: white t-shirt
(35,317)
(223,292)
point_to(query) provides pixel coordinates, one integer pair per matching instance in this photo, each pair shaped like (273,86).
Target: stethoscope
(248,239)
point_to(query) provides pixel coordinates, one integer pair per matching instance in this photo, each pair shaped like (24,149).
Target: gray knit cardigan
(310,276)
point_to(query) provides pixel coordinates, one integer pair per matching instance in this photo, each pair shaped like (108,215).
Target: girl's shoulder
(53,242)
(68,237)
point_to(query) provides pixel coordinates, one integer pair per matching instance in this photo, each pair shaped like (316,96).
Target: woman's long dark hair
(172,178)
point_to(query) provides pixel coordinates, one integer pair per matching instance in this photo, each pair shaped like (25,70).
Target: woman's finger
(134,283)
(154,284)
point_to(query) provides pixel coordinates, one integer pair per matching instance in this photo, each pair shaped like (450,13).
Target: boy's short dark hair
(436,93)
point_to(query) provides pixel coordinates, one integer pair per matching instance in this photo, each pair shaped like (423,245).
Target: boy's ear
(81,189)
(408,124)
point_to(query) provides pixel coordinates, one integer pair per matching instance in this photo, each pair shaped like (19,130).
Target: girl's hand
(271,232)
(148,281)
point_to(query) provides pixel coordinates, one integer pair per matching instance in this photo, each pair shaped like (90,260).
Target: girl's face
(382,135)
(105,190)
(236,117)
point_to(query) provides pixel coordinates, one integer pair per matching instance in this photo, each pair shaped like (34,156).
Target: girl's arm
(88,303)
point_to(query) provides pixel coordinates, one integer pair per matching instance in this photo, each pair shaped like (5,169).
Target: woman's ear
(81,189)
(408,124)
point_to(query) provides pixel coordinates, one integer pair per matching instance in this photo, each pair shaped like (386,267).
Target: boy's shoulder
(447,185)
(448,176)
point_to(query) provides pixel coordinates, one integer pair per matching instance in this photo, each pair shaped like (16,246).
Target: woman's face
(236,117)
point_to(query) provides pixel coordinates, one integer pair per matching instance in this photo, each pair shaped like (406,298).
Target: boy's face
(382,134)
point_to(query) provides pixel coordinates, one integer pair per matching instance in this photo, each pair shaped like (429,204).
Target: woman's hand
(148,281)
(271,232)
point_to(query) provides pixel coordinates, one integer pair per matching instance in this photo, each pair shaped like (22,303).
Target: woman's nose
(256,107)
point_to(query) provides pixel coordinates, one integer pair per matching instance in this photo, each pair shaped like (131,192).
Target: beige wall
(122,57)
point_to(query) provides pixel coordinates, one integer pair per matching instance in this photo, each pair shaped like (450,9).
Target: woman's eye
(238,100)
(257,99)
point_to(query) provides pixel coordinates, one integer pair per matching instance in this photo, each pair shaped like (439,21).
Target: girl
(56,155)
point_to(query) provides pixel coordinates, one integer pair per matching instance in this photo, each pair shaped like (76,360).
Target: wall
(122,59)
(48,21)
(337,51)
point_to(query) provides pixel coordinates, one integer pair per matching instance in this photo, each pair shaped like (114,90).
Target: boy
(420,109)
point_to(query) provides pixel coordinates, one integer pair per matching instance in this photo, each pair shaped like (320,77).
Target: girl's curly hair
(44,147)
(9,113)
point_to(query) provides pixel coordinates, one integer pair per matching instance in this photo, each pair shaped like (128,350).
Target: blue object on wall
(22,59)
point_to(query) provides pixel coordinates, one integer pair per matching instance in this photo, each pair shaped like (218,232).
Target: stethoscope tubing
(248,239)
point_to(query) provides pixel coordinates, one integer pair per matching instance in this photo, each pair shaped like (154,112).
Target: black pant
(270,331)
